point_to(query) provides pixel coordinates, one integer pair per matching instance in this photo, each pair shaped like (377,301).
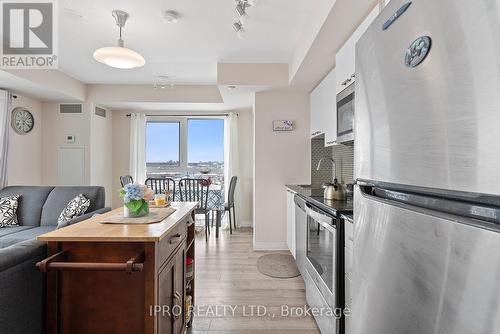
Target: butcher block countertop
(91,230)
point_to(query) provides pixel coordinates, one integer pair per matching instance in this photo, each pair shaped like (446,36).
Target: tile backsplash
(343,156)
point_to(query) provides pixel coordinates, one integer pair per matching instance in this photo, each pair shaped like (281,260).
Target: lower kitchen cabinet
(171,293)
(290,221)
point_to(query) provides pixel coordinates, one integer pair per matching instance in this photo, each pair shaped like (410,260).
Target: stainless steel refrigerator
(427,162)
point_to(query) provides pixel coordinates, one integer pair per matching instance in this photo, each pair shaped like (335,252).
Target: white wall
(280,158)
(101,153)
(24,161)
(121,152)
(55,128)
(245,179)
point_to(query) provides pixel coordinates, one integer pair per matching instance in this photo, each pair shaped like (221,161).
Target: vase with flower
(136,199)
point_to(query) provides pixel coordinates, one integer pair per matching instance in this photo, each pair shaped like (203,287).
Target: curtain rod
(186,115)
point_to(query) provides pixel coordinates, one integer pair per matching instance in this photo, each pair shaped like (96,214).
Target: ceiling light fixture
(241,11)
(238,28)
(119,56)
(171,16)
(163,82)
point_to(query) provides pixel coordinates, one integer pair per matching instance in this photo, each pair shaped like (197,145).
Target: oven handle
(323,220)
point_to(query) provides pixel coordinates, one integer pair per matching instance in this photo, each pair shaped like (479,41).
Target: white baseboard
(270,246)
(247,223)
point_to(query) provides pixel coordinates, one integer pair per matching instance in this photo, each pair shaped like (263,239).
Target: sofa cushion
(22,288)
(29,209)
(14,238)
(76,207)
(13,229)
(8,211)
(60,197)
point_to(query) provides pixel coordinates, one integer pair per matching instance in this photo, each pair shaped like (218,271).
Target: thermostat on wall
(70,139)
(283,125)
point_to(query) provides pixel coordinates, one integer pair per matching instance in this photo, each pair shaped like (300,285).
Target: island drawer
(171,241)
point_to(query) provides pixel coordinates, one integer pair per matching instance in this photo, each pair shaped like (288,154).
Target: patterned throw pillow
(76,207)
(8,209)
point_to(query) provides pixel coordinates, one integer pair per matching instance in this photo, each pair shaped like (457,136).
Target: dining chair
(230,203)
(196,190)
(160,185)
(126,179)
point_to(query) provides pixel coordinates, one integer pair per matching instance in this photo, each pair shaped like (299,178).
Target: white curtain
(138,147)
(231,162)
(5,99)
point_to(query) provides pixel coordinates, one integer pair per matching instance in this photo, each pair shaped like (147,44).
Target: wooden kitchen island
(114,278)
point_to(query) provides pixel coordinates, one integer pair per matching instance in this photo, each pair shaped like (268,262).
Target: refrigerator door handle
(478,215)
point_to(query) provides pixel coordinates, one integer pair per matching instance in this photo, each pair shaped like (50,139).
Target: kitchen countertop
(92,230)
(315,197)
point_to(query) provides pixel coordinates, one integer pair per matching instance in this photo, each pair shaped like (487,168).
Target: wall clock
(22,120)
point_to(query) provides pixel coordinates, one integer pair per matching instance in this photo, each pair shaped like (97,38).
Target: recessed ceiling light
(171,16)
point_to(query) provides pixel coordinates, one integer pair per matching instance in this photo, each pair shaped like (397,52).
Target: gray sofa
(22,287)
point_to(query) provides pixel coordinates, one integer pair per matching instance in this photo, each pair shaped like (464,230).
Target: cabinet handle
(177,297)
(353,76)
(344,83)
(175,239)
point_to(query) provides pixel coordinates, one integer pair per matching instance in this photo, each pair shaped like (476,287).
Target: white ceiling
(187,51)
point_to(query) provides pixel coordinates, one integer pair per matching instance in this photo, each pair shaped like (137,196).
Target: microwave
(345,114)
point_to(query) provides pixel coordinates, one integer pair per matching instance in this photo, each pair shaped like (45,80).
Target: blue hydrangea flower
(133,191)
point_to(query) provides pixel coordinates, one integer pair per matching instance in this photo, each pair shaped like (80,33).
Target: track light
(241,12)
(238,28)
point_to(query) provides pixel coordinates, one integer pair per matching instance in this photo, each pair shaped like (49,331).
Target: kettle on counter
(333,191)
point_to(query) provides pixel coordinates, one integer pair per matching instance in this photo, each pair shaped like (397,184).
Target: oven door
(345,114)
(321,252)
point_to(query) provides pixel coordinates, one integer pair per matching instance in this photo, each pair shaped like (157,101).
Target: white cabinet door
(316,113)
(345,64)
(330,105)
(290,221)
(323,108)
(346,56)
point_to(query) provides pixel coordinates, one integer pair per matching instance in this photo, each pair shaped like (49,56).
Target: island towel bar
(50,264)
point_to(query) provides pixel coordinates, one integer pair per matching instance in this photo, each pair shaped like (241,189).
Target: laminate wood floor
(233,297)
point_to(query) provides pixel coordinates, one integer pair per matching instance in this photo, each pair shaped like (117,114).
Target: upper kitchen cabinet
(346,56)
(323,109)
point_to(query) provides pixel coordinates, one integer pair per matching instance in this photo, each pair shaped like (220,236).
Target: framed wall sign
(283,125)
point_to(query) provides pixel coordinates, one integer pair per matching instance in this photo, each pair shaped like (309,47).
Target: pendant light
(119,56)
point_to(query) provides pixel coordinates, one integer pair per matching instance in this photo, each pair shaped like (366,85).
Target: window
(180,146)
(205,145)
(162,147)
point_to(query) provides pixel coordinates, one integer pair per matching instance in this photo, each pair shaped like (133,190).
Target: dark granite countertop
(315,197)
